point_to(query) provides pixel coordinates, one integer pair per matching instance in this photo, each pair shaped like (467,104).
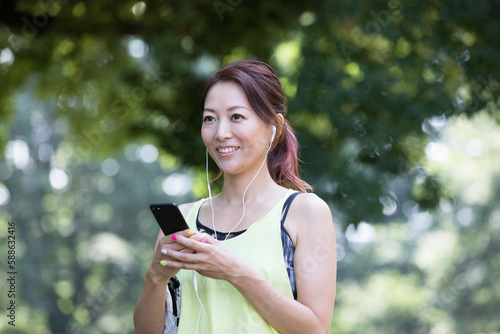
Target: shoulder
(308,215)
(309,205)
(185,208)
(309,199)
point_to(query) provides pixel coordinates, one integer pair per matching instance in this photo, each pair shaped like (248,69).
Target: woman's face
(236,138)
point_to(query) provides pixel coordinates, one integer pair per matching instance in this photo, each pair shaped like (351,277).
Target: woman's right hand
(159,268)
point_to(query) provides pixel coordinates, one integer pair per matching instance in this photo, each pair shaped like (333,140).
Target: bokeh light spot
(205,66)
(437,151)
(389,205)
(139,9)
(307,18)
(19,153)
(64,289)
(6,57)
(58,178)
(79,9)
(176,184)
(363,233)
(110,167)
(4,195)
(137,48)
(110,247)
(148,154)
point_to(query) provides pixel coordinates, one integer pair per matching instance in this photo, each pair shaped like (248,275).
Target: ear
(281,118)
(277,130)
(281,125)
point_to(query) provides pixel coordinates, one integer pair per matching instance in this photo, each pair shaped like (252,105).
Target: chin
(230,170)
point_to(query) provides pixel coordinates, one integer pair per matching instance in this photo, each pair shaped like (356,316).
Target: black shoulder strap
(286,206)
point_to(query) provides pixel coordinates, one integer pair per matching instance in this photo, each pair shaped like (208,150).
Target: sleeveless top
(227,310)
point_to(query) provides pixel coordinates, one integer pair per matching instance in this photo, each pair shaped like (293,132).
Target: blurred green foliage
(435,271)
(395,104)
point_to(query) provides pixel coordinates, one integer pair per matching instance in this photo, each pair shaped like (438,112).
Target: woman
(258,258)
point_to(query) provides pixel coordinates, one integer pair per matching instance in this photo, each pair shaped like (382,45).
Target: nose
(223,131)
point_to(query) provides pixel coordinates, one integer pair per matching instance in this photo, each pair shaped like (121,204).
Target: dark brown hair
(265,94)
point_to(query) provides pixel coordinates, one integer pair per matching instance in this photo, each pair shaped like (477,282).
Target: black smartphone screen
(169,217)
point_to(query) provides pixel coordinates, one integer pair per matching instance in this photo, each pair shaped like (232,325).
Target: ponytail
(283,161)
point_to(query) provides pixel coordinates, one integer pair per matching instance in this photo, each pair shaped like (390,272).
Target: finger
(193,244)
(199,236)
(205,238)
(170,246)
(179,264)
(175,257)
(167,239)
(170,264)
(187,250)
(188,233)
(166,251)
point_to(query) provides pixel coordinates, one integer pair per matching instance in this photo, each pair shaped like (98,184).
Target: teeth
(227,149)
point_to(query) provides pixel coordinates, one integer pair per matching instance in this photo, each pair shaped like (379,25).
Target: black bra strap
(286,206)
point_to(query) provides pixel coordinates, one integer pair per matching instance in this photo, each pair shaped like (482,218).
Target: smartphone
(169,217)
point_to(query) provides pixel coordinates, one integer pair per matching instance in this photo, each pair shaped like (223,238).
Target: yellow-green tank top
(228,312)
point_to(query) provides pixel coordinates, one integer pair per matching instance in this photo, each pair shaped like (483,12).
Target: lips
(227,149)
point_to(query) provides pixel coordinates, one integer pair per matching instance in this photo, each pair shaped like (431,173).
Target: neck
(235,186)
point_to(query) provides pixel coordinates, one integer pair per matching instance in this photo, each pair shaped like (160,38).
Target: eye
(237,117)
(208,119)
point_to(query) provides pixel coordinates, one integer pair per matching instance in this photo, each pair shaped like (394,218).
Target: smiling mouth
(227,149)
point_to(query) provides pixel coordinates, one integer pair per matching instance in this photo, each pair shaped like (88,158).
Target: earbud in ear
(274,134)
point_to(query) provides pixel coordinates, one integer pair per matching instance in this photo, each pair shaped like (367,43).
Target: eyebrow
(228,109)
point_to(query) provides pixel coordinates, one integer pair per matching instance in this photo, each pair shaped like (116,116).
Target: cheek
(260,140)
(205,135)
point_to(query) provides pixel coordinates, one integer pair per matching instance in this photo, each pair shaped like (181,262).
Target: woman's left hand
(210,259)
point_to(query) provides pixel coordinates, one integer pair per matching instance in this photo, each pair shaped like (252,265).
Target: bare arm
(315,270)
(149,311)
(315,273)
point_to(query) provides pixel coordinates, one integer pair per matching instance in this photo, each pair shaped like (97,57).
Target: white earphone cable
(195,283)
(210,196)
(244,193)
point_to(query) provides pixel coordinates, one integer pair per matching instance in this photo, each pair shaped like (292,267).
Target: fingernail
(204,241)
(174,237)
(164,251)
(190,232)
(163,263)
